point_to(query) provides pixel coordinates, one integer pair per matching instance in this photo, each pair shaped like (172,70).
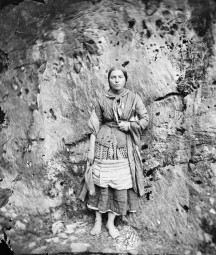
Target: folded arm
(140,120)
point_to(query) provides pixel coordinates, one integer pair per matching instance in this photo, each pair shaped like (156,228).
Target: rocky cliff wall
(54,63)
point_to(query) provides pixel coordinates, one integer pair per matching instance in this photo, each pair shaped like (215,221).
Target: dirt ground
(42,236)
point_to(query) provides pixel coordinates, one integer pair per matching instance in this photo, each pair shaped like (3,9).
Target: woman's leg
(98,223)
(113,231)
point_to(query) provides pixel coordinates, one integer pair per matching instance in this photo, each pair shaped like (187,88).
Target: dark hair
(114,68)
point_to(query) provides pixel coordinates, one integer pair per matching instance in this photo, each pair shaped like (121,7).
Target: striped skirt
(113,183)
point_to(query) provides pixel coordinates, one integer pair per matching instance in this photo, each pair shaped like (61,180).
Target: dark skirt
(117,201)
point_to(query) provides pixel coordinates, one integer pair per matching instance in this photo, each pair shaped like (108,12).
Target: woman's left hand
(124,125)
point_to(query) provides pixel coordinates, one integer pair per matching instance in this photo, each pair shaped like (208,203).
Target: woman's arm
(140,121)
(94,126)
(142,114)
(91,149)
(95,119)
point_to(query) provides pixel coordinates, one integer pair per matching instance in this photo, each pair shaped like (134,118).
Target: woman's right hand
(90,157)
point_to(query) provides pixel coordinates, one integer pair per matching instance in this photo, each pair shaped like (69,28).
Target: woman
(116,123)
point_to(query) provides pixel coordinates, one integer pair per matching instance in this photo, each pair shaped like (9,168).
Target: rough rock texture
(54,59)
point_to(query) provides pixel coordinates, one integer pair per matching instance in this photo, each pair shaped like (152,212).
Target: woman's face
(117,80)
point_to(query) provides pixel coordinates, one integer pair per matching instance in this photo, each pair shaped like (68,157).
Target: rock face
(54,60)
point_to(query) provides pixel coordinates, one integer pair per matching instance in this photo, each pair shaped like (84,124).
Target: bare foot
(97,228)
(113,231)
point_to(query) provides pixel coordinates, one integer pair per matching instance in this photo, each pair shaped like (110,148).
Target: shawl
(118,105)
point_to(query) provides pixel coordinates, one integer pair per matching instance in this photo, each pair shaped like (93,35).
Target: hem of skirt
(110,186)
(96,209)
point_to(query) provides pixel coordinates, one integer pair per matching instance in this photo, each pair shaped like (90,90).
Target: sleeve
(142,114)
(95,119)
(140,120)
(98,111)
